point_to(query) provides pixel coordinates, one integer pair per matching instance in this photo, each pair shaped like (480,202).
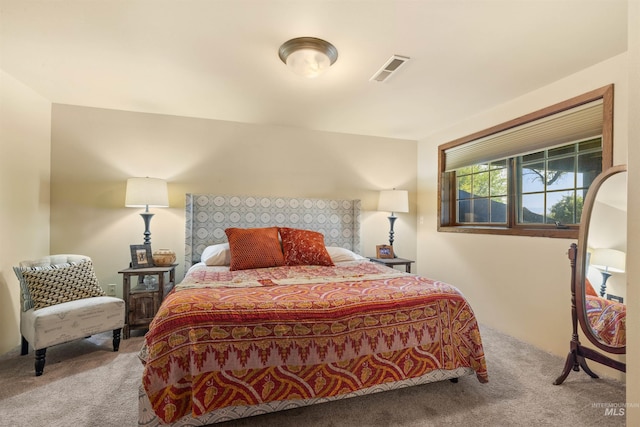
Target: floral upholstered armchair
(61,301)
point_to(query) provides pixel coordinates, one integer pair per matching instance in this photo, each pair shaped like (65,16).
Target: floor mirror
(598,283)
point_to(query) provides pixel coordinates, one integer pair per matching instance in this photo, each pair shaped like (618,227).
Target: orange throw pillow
(254,248)
(304,247)
(588,288)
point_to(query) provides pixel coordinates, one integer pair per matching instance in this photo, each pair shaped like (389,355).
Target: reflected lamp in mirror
(607,261)
(144,193)
(393,201)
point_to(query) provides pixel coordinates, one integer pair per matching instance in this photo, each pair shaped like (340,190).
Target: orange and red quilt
(608,320)
(247,337)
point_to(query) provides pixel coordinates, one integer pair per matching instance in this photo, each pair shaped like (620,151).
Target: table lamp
(393,201)
(607,261)
(145,192)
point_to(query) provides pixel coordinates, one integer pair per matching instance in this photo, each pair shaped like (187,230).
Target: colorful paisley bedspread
(248,337)
(608,320)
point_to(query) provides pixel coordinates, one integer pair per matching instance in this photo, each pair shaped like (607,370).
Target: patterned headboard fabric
(208,215)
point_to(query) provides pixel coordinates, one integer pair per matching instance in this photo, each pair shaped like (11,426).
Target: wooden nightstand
(391,262)
(142,303)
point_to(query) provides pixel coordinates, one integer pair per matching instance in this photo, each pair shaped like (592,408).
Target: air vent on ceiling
(389,67)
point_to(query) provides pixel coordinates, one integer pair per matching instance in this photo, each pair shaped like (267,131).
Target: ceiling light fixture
(308,56)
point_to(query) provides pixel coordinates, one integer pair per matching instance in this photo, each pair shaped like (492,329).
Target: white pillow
(339,254)
(216,255)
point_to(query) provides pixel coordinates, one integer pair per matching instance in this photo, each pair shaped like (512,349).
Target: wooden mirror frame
(578,259)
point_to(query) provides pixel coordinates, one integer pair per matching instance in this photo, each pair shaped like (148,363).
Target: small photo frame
(384,251)
(141,256)
(615,298)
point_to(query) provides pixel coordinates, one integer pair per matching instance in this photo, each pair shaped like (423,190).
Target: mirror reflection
(598,281)
(605,281)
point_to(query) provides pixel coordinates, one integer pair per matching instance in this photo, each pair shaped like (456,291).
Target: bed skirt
(147,418)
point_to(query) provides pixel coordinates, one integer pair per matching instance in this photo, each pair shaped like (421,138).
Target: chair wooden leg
(116,339)
(25,347)
(40,359)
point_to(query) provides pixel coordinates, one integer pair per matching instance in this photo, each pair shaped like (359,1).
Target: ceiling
(218,59)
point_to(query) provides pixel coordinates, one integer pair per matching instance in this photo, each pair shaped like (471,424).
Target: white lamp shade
(394,201)
(610,260)
(145,192)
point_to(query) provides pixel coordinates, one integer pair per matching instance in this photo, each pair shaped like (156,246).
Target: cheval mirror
(597,303)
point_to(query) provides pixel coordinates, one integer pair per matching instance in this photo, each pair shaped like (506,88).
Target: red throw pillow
(304,247)
(254,248)
(588,288)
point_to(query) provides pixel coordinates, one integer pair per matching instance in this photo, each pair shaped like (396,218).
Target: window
(528,176)
(553,183)
(482,193)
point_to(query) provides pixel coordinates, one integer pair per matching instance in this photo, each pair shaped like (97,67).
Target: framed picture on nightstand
(384,251)
(141,256)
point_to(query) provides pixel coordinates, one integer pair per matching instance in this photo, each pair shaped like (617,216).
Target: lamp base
(146,216)
(392,220)
(603,287)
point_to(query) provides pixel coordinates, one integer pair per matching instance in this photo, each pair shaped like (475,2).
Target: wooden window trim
(446,196)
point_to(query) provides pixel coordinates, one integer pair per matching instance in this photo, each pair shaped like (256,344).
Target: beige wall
(608,229)
(633,225)
(25,122)
(94,151)
(519,285)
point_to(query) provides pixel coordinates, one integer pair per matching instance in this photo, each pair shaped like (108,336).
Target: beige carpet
(85,384)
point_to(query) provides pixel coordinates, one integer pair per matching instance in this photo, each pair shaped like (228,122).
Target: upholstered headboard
(208,215)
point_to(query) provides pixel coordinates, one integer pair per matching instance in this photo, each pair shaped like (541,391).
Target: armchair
(61,301)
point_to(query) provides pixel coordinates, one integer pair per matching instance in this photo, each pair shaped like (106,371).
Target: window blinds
(582,122)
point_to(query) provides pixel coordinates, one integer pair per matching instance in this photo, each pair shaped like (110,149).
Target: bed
(607,318)
(249,331)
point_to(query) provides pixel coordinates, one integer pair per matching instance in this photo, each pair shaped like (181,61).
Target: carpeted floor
(85,384)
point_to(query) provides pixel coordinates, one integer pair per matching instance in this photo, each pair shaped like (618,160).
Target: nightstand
(391,262)
(142,303)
